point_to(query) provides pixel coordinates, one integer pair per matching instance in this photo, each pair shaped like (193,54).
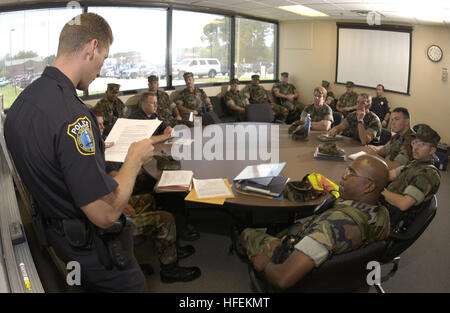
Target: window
(199,35)
(138,50)
(30,43)
(255,49)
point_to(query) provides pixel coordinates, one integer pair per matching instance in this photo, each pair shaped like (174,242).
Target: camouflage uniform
(257,94)
(332,232)
(160,225)
(111,112)
(419,180)
(295,107)
(317,115)
(372,125)
(399,148)
(348,100)
(196,100)
(238,98)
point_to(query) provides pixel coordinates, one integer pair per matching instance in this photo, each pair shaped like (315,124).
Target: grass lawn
(10,94)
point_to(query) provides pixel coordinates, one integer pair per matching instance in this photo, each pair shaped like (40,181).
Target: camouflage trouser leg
(173,122)
(257,242)
(160,225)
(279,112)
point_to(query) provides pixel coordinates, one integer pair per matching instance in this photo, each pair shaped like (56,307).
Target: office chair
(337,117)
(385,136)
(400,240)
(259,112)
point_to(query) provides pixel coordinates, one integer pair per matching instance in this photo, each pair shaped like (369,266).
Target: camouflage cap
(234,81)
(188,74)
(426,133)
(349,84)
(325,83)
(285,74)
(113,88)
(153,78)
(330,148)
(255,76)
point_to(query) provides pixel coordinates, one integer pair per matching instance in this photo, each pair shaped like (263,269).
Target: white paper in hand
(124,133)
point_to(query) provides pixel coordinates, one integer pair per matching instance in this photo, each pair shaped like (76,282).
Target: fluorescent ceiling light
(302,10)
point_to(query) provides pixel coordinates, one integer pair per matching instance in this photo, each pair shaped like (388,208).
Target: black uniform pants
(94,276)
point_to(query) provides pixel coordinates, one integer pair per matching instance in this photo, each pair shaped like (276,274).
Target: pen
(25,276)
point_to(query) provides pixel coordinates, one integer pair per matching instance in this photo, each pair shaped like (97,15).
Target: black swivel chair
(259,112)
(385,136)
(337,117)
(399,241)
(347,272)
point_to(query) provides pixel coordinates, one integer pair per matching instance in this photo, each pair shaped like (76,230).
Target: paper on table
(192,196)
(211,188)
(261,170)
(175,178)
(354,156)
(124,133)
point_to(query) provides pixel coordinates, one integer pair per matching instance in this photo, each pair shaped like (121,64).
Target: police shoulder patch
(81,132)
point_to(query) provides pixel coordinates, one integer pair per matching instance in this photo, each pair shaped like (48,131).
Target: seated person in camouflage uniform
(159,225)
(380,106)
(330,95)
(148,104)
(398,150)
(415,183)
(347,102)
(320,113)
(257,94)
(111,107)
(288,96)
(236,100)
(192,99)
(329,233)
(362,125)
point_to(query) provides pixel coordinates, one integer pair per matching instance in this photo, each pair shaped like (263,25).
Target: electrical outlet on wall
(444,74)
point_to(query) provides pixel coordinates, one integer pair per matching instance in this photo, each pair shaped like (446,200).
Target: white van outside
(198,66)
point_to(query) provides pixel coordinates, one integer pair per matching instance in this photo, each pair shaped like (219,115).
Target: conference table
(298,155)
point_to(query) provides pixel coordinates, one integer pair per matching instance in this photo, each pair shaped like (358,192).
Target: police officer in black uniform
(56,145)
(380,106)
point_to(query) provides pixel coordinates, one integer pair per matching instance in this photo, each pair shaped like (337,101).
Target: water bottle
(308,123)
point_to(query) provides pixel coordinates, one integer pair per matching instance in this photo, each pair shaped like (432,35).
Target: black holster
(115,244)
(39,225)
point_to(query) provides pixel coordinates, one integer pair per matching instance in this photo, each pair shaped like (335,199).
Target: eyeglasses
(318,97)
(350,172)
(419,143)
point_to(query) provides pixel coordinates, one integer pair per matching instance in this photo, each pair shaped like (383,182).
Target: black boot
(171,273)
(184,252)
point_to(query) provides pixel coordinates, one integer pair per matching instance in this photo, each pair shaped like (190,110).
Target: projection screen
(369,57)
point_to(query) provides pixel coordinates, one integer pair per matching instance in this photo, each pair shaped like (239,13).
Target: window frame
(169,7)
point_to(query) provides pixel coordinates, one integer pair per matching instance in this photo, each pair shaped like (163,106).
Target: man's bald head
(364,179)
